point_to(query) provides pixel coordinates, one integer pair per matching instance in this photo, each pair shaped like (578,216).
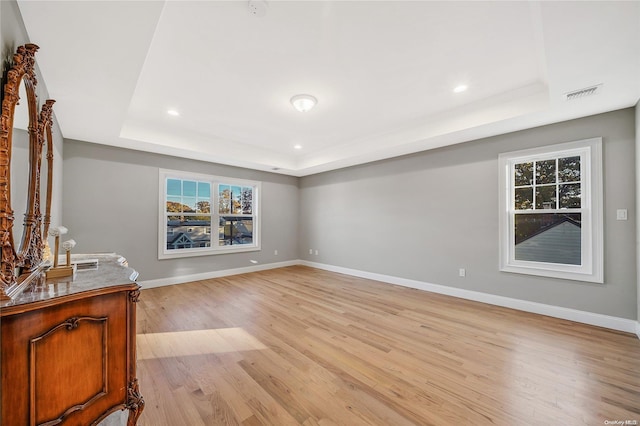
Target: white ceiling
(383,73)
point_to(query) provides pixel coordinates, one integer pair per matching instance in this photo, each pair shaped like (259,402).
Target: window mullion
(557,179)
(535,186)
(215,215)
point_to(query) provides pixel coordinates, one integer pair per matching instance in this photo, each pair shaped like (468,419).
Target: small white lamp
(56,232)
(67,246)
(68,269)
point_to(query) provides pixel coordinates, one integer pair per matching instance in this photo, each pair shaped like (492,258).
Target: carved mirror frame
(21,264)
(46,134)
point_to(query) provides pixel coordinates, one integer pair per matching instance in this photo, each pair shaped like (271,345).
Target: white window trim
(591,269)
(214,249)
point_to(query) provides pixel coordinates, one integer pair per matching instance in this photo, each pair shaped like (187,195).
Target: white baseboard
(214,274)
(600,320)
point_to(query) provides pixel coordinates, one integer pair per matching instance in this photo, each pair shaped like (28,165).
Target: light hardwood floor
(301,346)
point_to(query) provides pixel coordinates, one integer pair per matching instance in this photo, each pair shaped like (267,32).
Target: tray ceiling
(383,73)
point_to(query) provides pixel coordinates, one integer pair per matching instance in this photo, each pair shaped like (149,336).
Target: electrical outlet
(316,252)
(275,252)
(462,272)
(621,214)
(310,251)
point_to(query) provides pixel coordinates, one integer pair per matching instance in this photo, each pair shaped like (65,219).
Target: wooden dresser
(69,348)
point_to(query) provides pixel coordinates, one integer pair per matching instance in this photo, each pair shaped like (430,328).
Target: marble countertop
(111,270)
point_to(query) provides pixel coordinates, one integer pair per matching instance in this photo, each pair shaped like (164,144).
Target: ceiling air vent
(581,93)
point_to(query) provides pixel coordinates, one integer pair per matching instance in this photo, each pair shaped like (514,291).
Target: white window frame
(164,253)
(591,267)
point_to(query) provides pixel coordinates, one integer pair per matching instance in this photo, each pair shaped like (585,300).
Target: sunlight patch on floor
(195,342)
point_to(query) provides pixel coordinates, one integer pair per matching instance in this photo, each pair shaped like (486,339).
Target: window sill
(205,251)
(566,273)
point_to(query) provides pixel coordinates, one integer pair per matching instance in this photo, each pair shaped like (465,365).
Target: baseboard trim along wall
(214,274)
(600,320)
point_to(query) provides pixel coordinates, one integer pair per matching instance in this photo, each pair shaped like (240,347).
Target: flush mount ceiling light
(303,103)
(173,112)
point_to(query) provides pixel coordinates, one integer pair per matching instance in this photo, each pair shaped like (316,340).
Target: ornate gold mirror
(46,168)
(21,237)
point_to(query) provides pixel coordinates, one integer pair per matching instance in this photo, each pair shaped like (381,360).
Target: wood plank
(303,346)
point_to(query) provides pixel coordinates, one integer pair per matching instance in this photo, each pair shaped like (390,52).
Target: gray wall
(424,216)
(638,209)
(419,217)
(111,204)
(13,34)
(12,30)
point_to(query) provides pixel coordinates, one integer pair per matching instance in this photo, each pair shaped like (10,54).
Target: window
(551,211)
(187,216)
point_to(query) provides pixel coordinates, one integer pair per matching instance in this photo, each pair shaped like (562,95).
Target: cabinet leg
(135,403)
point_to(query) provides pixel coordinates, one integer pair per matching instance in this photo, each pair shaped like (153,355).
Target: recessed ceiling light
(303,103)
(460,88)
(173,112)
(297,146)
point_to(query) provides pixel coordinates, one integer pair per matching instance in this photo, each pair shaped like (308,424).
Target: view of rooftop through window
(547,201)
